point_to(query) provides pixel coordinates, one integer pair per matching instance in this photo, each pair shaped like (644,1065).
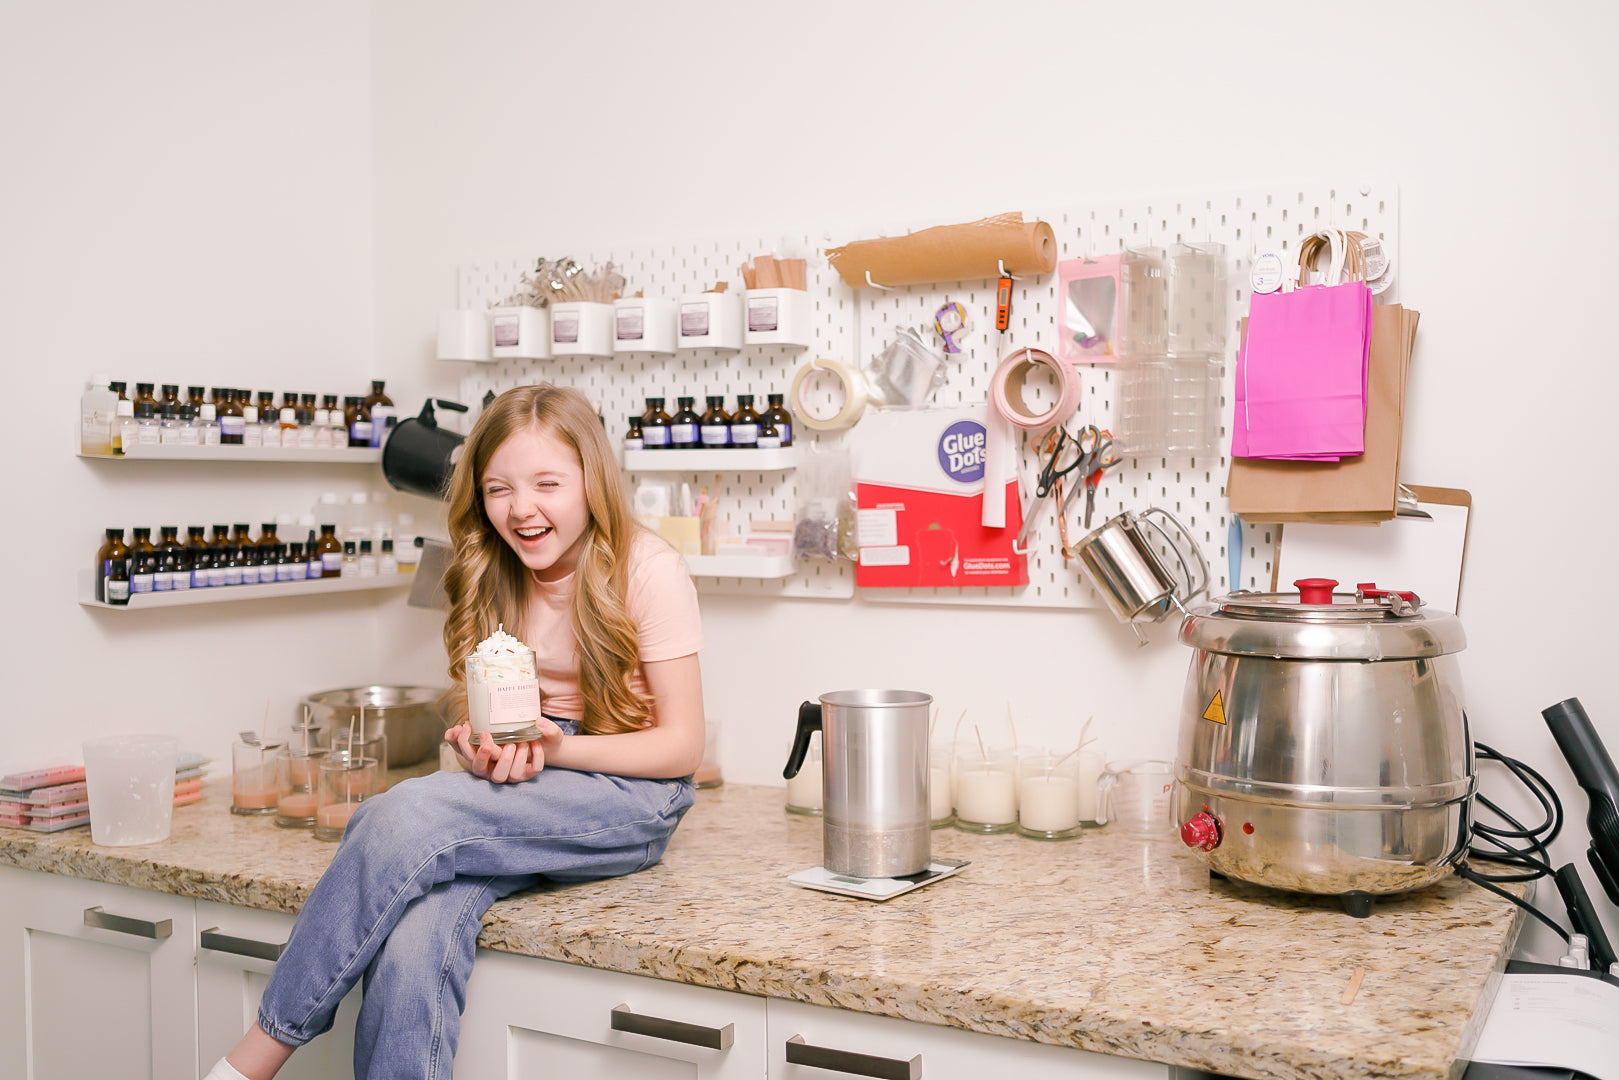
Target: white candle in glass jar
(986,796)
(939,802)
(804,790)
(1087,771)
(1048,802)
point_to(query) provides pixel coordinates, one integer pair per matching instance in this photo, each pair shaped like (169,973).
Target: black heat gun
(1593,771)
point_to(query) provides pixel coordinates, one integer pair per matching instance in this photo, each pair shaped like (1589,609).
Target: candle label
(762,314)
(565,327)
(694,319)
(514,703)
(631,324)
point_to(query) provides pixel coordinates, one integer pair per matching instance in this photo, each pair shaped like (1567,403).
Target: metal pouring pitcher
(1122,564)
(874,779)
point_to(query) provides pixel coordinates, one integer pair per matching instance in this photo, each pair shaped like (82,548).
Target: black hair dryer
(1593,770)
(419,456)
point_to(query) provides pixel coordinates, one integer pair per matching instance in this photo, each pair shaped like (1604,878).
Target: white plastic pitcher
(130,781)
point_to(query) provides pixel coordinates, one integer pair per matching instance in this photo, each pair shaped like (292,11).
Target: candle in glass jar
(986,796)
(1048,802)
(939,802)
(255,797)
(336,816)
(1087,770)
(804,790)
(297,804)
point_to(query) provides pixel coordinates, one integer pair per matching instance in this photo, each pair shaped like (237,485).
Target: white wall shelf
(727,460)
(740,566)
(228,593)
(333,456)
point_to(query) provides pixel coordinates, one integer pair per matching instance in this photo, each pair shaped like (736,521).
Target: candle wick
(982,749)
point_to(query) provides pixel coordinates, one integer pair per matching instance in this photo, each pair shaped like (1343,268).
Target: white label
(762,314)
(683,433)
(885,556)
(716,434)
(505,329)
(631,324)
(312,570)
(141,583)
(1266,274)
(250,575)
(360,431)
(306,437)
(876,528)
(182,580)
(514,703)
(250,414)
(252,435)
(190,435)
(231,425)
(162,581)
(694,319)
(744,434)
(117,591)
(634,444)
(146,434)
(655,436)
(169,434)
(331,560)
(283,572)
(565,327)
(216,576)
(233,575)
(786,431)
(769,442)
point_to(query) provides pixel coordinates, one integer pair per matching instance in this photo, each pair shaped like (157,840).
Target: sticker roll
(1007,383)
(855,396)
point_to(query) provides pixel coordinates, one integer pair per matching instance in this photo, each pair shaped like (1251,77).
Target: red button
(1201,831)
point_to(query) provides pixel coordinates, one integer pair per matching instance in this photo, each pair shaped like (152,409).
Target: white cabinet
(95,980)
(808,1042)
(527,1018)
(236,952)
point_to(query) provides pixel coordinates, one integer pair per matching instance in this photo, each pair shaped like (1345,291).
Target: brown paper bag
(1361,489)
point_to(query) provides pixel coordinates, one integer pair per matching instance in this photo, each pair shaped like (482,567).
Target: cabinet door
(98,980)
(234,960)
(808,1042)
(528,1018)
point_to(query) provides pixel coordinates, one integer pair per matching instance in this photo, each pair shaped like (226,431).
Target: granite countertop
(1109,944)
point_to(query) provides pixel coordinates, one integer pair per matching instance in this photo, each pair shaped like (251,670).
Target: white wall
(185,197)
(501,126)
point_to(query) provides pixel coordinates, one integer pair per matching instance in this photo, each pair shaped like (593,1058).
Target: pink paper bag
(1301,375)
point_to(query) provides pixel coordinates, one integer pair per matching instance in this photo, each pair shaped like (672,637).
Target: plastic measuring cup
(130,782)
(1135,796)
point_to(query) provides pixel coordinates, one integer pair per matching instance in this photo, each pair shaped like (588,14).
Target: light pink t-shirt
(661,600)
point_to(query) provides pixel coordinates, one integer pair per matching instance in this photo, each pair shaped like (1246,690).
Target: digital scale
(823,880)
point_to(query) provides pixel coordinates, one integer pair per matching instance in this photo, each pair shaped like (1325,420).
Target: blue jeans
(403,900)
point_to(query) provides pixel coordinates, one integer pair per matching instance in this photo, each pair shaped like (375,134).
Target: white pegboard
(852,326)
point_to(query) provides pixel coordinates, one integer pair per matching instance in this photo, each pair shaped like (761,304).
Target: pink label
(631,324)
(505,330)
(762,316)
(565,327)
(694,320)
(514,704)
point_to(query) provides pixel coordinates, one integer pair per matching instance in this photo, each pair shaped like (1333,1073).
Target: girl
(545,543)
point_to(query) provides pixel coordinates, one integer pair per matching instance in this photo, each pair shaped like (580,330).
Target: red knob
(1315,590)
(1201,831)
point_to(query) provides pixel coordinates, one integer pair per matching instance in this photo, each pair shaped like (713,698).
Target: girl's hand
(509,764)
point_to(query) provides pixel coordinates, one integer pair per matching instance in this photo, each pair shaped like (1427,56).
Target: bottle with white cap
(98,411)
(357,522)
(405,548)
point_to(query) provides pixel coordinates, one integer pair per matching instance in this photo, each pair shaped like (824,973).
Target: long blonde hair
(487,584)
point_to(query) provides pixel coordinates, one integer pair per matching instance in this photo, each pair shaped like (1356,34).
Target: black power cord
(1520,847)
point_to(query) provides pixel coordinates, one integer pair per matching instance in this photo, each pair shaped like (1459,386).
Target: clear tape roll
(1017,365)
(855,396)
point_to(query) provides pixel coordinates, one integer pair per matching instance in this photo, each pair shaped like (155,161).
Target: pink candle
(298,805)
(337,815)
(255,797)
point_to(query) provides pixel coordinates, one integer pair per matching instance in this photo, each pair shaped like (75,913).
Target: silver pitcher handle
(1202,563)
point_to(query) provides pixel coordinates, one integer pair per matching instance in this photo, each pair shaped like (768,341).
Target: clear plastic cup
(130,783)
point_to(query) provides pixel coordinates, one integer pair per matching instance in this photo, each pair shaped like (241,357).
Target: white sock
(223,1070)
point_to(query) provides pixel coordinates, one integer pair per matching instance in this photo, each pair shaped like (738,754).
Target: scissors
(1088,455)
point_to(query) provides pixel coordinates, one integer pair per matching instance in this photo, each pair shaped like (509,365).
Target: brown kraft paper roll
(969,252)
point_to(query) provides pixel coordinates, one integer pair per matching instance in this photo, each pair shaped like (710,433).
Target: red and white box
(919,490)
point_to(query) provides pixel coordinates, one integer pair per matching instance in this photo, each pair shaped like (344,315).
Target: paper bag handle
(1347,263)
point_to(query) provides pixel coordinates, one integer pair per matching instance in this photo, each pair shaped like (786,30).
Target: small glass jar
(804,791)
(253,787)
(986,792)
(1048,796)
(297,771)
(371,744)
(941,788)
(344,782)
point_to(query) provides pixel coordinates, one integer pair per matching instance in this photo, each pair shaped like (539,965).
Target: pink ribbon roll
(1010,404)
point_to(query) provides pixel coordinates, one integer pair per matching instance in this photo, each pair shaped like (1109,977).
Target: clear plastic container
(1141,414)
(1197,299)
(1143,302)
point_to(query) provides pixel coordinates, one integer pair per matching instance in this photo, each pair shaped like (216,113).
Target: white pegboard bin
(853,325)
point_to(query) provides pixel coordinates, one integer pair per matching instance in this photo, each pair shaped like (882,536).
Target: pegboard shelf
(740,566)
(729,460)
(229,593)
(283,455)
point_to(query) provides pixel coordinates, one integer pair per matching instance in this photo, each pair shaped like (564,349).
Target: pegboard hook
(873,284)
(1002,264)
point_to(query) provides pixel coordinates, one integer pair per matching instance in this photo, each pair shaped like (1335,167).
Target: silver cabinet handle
(673,1030)
(241,946)
(800,1052)
(101,920)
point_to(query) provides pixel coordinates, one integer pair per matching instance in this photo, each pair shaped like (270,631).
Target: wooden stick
(1354,985)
